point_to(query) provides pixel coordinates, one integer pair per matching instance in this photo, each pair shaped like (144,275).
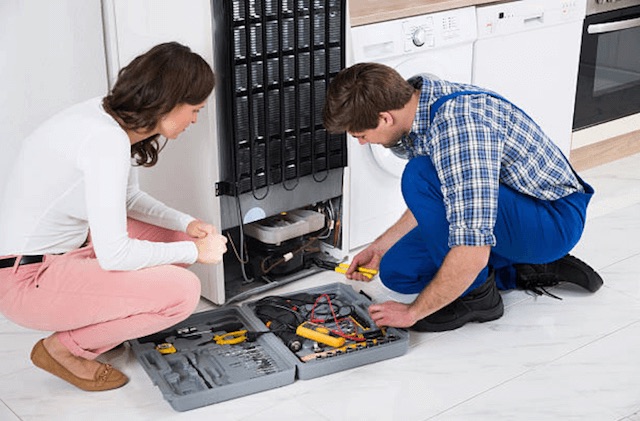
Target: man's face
(386,134)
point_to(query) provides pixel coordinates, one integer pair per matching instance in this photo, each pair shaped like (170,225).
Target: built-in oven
(609,72)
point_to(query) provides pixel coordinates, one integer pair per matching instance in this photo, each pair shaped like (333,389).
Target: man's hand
(371,256)
(392,314)
(368,258)
(199,229)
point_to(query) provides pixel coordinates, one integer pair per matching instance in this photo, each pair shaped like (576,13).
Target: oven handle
(601,28)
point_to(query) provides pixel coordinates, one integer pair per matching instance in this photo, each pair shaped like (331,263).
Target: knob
(419,37)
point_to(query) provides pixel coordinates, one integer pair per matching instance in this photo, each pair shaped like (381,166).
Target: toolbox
(237,350)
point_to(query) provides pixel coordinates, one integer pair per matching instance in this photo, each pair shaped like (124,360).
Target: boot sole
(480,316)
(593,279)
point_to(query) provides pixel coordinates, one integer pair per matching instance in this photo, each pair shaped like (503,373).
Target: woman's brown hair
(152,85)
(358,94)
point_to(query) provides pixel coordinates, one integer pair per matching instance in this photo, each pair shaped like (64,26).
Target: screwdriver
(369,273)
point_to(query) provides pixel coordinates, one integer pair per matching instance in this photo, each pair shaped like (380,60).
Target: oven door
(609,73)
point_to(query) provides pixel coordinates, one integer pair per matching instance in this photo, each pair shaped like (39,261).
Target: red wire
(338,331)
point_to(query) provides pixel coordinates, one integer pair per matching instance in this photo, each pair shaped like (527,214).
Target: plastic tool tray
(235,351)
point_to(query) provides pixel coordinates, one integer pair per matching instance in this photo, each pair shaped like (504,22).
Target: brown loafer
(105,378)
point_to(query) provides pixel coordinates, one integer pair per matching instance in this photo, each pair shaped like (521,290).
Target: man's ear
(386,118)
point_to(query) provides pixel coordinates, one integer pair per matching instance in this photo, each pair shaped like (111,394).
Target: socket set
(234,351)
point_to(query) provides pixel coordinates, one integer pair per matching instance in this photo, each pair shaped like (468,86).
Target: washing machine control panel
(414,34)
(437,30)
(419,37)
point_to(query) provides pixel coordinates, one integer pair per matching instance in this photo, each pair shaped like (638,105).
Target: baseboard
(605,151)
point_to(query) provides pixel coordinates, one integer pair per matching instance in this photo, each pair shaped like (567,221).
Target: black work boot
(480,305)
(567,269)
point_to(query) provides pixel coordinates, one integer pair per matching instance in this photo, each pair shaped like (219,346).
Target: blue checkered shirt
(477,142)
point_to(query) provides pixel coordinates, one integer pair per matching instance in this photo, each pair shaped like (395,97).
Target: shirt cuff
(471,237)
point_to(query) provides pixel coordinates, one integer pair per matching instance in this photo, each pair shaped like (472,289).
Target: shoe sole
(593,280)
(42,359)
(479,316)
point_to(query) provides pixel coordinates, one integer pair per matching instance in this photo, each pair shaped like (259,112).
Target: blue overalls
(527,229)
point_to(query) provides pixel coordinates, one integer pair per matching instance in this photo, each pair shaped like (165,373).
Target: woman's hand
(211,246)
(199,229)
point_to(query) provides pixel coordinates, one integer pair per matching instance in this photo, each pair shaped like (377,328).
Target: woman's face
(177,120)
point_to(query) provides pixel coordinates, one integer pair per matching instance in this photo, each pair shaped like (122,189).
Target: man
(492,202)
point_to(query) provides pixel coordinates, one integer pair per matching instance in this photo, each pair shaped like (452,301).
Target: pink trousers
(93,310)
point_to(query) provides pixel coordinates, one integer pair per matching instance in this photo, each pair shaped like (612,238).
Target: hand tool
(369,273)
(166,348)
(319,334)
(236,337)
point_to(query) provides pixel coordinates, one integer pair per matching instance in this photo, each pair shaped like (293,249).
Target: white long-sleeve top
(74,174)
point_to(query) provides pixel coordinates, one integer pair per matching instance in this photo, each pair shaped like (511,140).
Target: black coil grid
(283,54)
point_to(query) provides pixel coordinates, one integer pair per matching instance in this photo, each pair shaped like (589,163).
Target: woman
(74,176)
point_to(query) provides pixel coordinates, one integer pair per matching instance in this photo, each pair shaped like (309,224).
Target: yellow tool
(236,337)
(166,348)
(319,334)
(369,273)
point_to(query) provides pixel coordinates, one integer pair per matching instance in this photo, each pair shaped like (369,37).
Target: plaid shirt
(476,142)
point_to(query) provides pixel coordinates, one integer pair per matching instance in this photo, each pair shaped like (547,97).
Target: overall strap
(436,105)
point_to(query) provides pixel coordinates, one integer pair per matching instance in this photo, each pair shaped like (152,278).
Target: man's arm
(460,268)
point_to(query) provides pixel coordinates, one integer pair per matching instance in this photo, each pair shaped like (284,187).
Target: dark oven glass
(609,73)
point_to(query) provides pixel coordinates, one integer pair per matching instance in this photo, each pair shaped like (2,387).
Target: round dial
(419,37)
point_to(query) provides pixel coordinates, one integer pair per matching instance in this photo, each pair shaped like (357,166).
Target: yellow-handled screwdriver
(369,273)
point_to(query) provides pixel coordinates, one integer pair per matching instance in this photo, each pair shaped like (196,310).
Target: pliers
(236,337)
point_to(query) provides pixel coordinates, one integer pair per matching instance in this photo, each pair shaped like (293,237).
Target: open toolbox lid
(197,363)
(192,370)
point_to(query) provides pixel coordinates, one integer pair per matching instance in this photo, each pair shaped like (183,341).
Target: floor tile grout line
(10,409)
(533,369)
(620,261)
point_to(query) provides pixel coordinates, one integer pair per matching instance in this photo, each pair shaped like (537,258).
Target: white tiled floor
(544,360)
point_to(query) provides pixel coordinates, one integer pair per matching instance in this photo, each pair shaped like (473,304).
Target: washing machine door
(393,160)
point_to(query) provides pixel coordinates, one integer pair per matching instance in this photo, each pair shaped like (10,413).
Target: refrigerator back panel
(275,60)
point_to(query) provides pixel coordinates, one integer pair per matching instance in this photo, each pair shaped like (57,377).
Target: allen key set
(237,350)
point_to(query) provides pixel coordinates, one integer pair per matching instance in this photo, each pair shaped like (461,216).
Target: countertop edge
(364,12)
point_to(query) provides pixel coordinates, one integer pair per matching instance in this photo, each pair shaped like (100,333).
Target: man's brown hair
(152,85)
(358,94)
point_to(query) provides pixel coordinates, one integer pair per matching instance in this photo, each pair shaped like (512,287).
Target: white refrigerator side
(187,169)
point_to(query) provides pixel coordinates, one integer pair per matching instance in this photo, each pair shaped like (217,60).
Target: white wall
(51,56)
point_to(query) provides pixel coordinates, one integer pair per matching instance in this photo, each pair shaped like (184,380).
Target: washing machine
(440,44)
